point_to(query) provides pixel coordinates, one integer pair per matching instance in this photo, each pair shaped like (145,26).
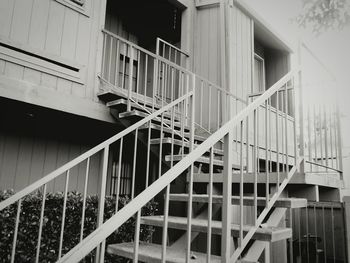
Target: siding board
(6,14)
(55,28)
(38,25)
(21,21)
(69,35)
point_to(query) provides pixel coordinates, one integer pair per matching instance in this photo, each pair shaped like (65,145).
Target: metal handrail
(51,176)
(100,234)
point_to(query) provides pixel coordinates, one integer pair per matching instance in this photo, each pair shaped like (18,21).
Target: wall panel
(25,159)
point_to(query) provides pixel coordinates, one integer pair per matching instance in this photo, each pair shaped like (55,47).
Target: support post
(346,200)
(226,206)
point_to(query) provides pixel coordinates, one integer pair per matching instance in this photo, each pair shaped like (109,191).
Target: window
(81,6)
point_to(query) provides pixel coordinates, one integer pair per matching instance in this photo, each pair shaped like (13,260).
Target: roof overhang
(263,31)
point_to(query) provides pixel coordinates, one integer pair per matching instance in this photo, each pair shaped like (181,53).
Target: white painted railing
(323,140)
(153,80)
(97,238)
(119,141)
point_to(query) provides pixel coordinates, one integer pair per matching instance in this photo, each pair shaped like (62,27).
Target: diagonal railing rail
(85,159)
(226,132)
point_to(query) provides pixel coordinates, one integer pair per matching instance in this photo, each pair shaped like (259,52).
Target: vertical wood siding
(25,159)
(55,30)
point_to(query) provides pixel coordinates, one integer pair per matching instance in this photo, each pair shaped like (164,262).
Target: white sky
(333,49)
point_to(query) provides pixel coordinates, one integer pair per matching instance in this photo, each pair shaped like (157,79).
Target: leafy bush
(29,225)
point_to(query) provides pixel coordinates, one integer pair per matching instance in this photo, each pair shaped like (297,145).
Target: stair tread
(248,177)
(169,130)
(178,142)
(248,200)
(149,252)
(201,159)
(142,114)
(271,234)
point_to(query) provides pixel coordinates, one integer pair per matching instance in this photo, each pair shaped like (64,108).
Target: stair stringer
(237,253)
(258,247)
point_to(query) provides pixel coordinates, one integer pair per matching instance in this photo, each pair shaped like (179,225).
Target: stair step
(270,234)
(149,252)
(168,130)
(247,201)
(118,93)
(203,159)
(177,142)
(137,114)
(248,178)
(121,105)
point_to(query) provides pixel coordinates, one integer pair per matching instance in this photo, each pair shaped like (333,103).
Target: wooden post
(346,200)
(301,112)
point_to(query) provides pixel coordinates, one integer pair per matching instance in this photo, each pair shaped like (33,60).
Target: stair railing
(153,80)
(140,164)
(260,106)
(323,140)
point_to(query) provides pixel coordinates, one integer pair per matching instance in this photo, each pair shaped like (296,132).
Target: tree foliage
(324,15)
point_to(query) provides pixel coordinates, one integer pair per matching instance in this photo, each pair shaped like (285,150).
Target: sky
(332,48)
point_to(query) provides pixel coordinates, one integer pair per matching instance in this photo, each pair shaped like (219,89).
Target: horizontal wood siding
(25,159)
(54,31)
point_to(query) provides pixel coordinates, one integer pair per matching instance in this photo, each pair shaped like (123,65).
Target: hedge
(29,225)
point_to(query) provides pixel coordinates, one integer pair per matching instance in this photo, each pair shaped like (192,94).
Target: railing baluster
(117,58)
(103,65)
(209,107)
(190,184)
(63,214)
(134,165)
(41,223)
(110,60)
(282,130)
(15,234)
(124,65)
(137,237)
(255,169)
(315,134)
(277,141)
(331,139)
(321,136)
(241,189)
(148,153)
(120,158)
(84,198)
(145,81)
(309,136)
(267,182)
(286,124)
(131,72)
(210,204)
(138,75)
(100,218)
(325,136)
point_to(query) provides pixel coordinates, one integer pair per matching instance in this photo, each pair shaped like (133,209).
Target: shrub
(29,225)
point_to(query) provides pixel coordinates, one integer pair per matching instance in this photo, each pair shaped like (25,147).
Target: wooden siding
(25,159)
(207,62)
(56,32)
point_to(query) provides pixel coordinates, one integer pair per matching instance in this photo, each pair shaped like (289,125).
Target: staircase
(223,217)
